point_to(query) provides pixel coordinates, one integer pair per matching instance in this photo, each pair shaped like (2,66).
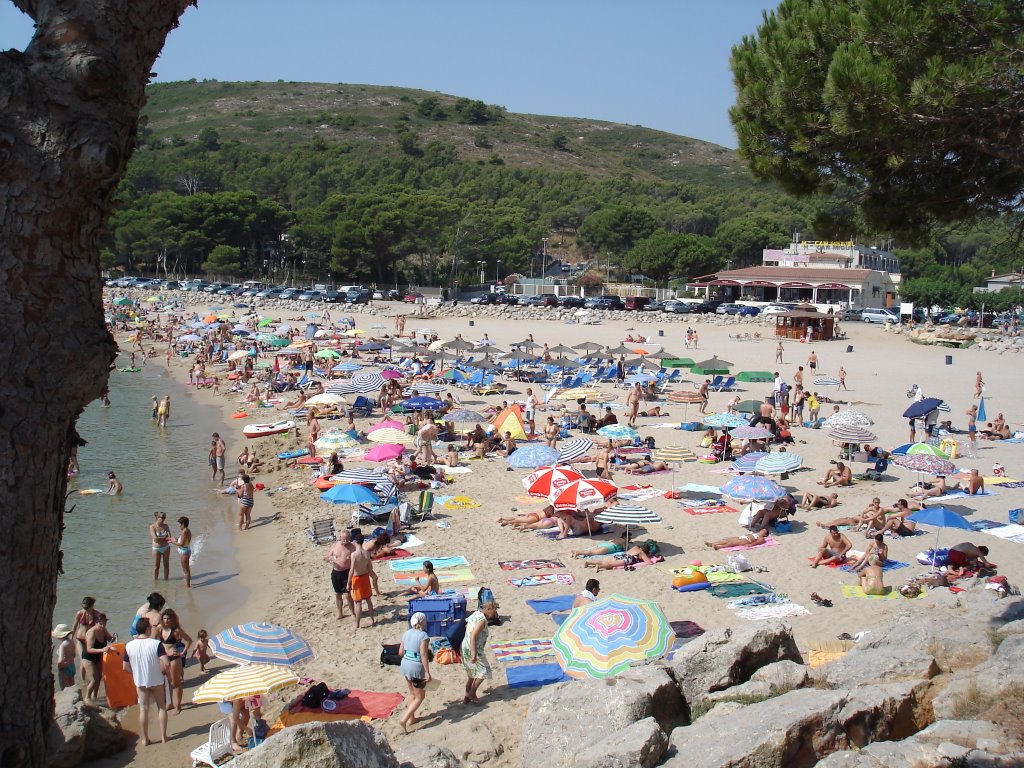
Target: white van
(879,315)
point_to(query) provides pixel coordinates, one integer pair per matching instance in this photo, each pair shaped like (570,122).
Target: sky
(662,64)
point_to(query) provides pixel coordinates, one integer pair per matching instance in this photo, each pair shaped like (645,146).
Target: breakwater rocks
(986,339)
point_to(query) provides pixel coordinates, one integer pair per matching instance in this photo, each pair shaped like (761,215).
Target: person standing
(176,646)
(246,501)
(703,392)
(531,410)
(972,425)
(218,451)
(160,537)
(184,544)
(97,640)
(340,558)
(163,411)
(842,379)
(414,651)
(633,402)
(360,584)
(313,428)
(778,353)
(64,655)
(979,385)
(474,644)
(144,658)
(812,362)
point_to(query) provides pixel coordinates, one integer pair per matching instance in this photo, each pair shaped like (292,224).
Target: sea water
(106,541)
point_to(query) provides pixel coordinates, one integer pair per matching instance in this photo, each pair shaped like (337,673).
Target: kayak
(129,370)
(262,430)
(293,454)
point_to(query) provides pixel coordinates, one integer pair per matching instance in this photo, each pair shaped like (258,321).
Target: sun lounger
(322,531)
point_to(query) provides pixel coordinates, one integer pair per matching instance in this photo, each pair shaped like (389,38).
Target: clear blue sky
(658,63)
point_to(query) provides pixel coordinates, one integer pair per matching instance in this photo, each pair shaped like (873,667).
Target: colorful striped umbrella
(389,435)
(424,389)
(685,396)
(849,417)
(362,476)
(347,367)
(933,465)
(532,456)
(723,421)
(851,433)
(463,416)
(748,461)
(926,449)
(362,383)
(826,381)
(387,424)
(584,494)
(750,433)
(335,441)
(673,453)
(574,448)
(752,488)
(627,515)
(326,398)
(606,637)
(260,643)
(618,432)
(548,480)
(243,682)
(779,463)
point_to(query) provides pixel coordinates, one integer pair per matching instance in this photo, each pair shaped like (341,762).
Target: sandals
(819,600)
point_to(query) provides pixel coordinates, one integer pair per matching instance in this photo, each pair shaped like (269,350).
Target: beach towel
(958,495)
(412,540)
(445,576)
(769,612)
(686,629)
(522,650)
(532,500)
(460,502)
(456,470)
(535,675)
(641,494)
(357,705)
(552,604)
(1012,532)
(890,565)
(394,554)
(769,542)
(416,563)
(1009,483)
(543,578)
(715,510)
(853,590)
(517,565)
(732,590)
(984,525)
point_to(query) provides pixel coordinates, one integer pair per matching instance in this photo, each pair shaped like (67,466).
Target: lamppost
(543,258)
(482,264)
(497,269)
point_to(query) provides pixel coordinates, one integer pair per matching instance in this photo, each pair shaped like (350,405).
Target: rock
(723,658)
(982,686)
(864,665)
(426,756)
(562,717)
(772,680)
(949,638)
(640,745)
(83,731)
(344,744)
(888,711)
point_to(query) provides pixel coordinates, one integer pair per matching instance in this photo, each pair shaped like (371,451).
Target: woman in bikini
(85,620)
(612,547)
(640,553)
(531,519)
(871,578)
(747,540)
(160,536)
(184,544)
(176,644)
(97,639)
(245,503)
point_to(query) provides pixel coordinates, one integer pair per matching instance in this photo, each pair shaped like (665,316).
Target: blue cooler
(441,611)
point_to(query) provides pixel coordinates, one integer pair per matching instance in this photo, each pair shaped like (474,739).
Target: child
(64,655)
(202,650)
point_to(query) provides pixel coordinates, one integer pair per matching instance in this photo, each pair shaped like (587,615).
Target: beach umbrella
(826,381)
(619,350)
(243,682)
(712,366)
(327,354)
(421,404)
(388,435)
(361,476)
(335,441)
(436,345)
(548,480)
(627,515)
(922,408)
(239,354)
(275,341)
(388,374)
(264,322)
(618,432)
(370,346)
(584,494)
(932,465)
(749,406)
(723,420)
(563,363)
(325,333)
(748,461)
(349,493)
(532,456)
(750,433)
(326,398)
(779,463)
(260,643)
(939,518)
(982,416)
(752,488)
(685,396)
(644,364)
(587,346)
(661,354)
(353,332)
(190,337)
(463,416)
(851,433)
(574,448)
(673,454)
(347,367)
(384,452)
(387,424)
(561,349)
(577,393)
(849,417)
(926,449)
(527,344)
(606,637)
(427,388)
(361,383)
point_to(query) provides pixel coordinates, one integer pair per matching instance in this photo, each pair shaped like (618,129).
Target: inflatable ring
(694,587)
(689,580)
(234,376)
(239,415)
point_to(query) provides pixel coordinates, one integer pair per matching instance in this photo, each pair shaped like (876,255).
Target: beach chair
(877,472)
(361,406)
(426,506)
(380,514)
(322,531)
(217,747)
(728,385)
(716,382)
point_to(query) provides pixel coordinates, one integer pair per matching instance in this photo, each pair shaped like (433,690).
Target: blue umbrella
(748,461)
(940,517)
(723,421)
(260,643)
(641,378)
(982,416)
(922,408)
(422,404)
(350,494)
(752,488)
(346,367)
(617,432)
(532,456)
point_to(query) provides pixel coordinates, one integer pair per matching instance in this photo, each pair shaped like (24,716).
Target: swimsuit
(339,580)
(184,550)
(246,501)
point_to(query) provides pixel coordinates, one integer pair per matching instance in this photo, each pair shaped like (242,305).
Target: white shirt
(778,383)
(143,655)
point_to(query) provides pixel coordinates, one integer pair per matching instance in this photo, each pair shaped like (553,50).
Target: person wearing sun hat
(64,654)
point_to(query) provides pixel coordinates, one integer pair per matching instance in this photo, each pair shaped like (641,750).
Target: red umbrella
(547,480)
(584,494)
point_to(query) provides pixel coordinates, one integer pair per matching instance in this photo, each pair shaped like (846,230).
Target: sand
(289,584)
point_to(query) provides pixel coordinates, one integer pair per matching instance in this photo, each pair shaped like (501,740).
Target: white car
(775,309)
(879,315)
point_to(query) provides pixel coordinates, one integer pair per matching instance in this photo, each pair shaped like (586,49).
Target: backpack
(315,696)
(389,655)
(456,633)
(484,596)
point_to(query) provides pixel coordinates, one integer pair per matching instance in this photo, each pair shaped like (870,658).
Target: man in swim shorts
(360,585)
(340,558)
(833,549)
(218,449)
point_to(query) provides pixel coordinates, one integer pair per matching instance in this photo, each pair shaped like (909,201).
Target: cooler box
(441,611)
(690,426)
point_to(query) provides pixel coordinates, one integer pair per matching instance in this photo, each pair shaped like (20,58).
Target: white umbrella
(326,398)
(238,354)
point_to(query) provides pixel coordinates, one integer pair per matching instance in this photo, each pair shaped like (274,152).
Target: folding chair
(361,406)
(426,505)
(322,531)
(217,747)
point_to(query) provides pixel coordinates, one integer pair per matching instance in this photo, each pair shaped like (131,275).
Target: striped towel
(543,578)
(521,650)
(416,563)
(446,576)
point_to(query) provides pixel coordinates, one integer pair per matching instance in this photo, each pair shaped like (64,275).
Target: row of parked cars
(348,295)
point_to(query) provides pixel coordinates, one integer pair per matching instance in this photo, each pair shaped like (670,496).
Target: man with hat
(64,654)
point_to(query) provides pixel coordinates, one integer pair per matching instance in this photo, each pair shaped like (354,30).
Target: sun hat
(61,631)
(418,619)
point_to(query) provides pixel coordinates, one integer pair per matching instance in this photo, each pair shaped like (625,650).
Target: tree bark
(69,110)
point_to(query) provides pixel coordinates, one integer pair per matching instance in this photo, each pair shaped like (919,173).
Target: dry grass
(1005,708)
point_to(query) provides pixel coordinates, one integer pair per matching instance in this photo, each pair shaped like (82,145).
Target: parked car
(636,303)
(532,301)
(215,287)
(853,314)
(653,306)
(776,309)
(573,302)
(604,302)
(549,299)
(289,293)
(358,296)
(377,295)
(310,295)
(333,297)
(746,311)
(728,309)
(412,297)
(706,307)
(879,315)
(230,290)
(949,319)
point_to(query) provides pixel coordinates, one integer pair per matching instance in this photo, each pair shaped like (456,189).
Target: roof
(795,273)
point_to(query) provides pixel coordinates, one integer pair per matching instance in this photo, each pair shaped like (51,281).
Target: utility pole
(543,259)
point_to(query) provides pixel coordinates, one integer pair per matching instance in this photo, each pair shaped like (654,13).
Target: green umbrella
(123,301)
(754,376)
(277,341)
(711,366)
(328,353)
(264,322)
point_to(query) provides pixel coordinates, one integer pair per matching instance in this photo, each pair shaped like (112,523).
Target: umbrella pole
(935,549)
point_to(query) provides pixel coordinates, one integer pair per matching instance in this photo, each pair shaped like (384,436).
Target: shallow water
(106,541)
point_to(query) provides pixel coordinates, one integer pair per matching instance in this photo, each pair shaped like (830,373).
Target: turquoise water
(106,539)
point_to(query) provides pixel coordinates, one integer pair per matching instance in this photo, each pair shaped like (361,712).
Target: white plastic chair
(218,746)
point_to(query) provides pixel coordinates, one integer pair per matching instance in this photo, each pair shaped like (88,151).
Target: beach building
(999,282)
(819,272)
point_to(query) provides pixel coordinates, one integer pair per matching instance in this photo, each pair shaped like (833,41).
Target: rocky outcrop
(639,745)
(1003,672)
(345,744)
(82,731)
(417,755)
(879,665)
(766,682)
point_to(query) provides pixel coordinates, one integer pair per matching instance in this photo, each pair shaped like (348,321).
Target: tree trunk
(69,107)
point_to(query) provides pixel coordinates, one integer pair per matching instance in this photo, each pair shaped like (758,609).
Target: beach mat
(395,554)
(686,629)
(522,650)
(716,510)
(769,542)
(552,604)
(517,565)
(890,565)
(535,675)
(731,590)
(416,563)
(445,576)
(541,579)
(853,590)
(1011,532)
(958,495)
(460,502)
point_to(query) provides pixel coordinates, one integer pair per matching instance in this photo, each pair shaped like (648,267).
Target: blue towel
(552,604)
(890,565)
(416,563)
(558,618)
(533,675)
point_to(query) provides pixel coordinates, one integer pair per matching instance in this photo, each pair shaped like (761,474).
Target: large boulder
(887,711)
(985,683)
(344,744)
(82,731)
(419,755)
(866,665)
(722,658)
(640,745)
(773,680)
(563,717)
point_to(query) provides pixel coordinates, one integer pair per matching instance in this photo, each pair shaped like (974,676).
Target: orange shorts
(361,588)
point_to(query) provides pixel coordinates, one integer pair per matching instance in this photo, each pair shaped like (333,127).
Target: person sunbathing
(813,500)
(878,548)
(833,549)
(747,540)
(931,490)
(611,547)
(839,474)
(769,513)
(871,517)
(576,524)
(655,411)
(645,467)
(528,518)
(640,553)
(898,524)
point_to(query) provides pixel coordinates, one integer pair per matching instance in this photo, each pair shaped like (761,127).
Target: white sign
(906,308)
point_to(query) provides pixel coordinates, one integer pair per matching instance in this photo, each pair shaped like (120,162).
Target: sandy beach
(288,581)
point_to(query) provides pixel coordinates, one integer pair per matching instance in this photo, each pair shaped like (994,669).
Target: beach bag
(1016,515)
(456,633)
(315,696)
(650,442)
(389,655)
(738,564)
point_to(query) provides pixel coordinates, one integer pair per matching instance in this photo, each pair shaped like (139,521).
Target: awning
(796,285)
(834,287)
(724,282)
(759,284)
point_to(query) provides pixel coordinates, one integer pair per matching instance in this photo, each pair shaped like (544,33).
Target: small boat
(262,430)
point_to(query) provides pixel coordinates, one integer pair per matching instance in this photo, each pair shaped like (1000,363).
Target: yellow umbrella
(224,317)
(153,298)
(238,354)
(354,332)
(327,398)
(301,343)
(243,682)
(390,435)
